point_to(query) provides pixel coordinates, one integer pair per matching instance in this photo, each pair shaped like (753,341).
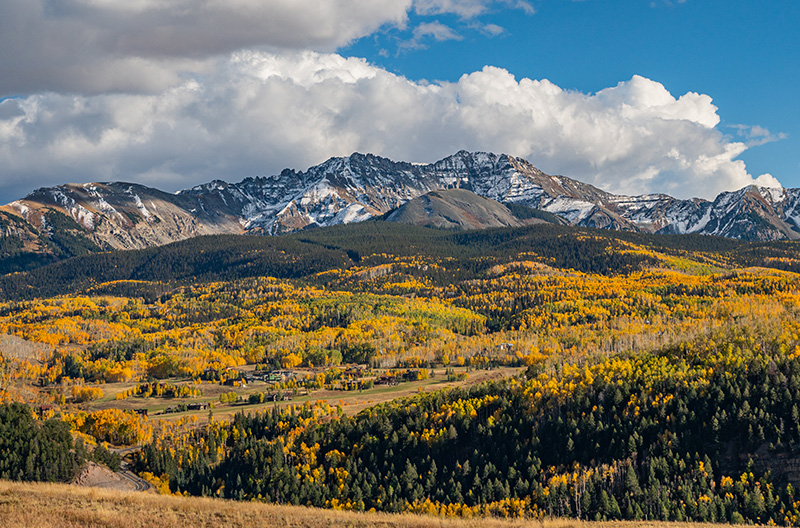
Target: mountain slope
(117,215)
(127,216)
(455,209)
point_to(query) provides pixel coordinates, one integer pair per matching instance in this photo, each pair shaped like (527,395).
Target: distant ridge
(72,219)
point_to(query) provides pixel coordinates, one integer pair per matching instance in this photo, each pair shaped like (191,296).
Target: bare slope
(454,209)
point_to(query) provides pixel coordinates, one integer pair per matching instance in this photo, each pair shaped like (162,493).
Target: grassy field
(351,401)
(64,506)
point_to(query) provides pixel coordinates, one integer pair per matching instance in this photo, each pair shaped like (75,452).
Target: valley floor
(67,506)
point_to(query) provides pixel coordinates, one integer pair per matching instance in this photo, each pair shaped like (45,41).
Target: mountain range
(76,218)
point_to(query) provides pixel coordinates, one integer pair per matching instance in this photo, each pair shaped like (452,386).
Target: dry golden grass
(60,505)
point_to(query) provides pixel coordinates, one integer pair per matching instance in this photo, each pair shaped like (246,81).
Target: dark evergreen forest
(463,255)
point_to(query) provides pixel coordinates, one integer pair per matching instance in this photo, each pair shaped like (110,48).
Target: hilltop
(463,209)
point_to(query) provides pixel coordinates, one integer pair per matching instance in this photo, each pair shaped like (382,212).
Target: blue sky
(744,54)
(689,98)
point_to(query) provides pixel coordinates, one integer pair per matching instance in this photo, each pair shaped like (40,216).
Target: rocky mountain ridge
(359,187)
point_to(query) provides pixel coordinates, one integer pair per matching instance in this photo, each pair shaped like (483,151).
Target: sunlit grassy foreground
(65,506)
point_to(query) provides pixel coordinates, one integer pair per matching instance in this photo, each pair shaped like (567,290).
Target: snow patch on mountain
(140,206)
(575,211)
(21,208)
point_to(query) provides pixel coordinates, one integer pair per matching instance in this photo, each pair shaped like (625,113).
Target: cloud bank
(96,46)
(145,46)
(256,112)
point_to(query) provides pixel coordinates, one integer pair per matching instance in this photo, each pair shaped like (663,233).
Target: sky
(684,97)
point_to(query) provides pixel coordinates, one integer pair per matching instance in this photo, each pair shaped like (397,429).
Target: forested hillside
(702,431)
(460,255)
(631,376)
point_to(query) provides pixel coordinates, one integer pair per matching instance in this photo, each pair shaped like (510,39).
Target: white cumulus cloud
(96,46)
(146,46)
(255,113)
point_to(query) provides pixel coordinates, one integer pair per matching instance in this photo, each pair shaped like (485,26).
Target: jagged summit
(341,190)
